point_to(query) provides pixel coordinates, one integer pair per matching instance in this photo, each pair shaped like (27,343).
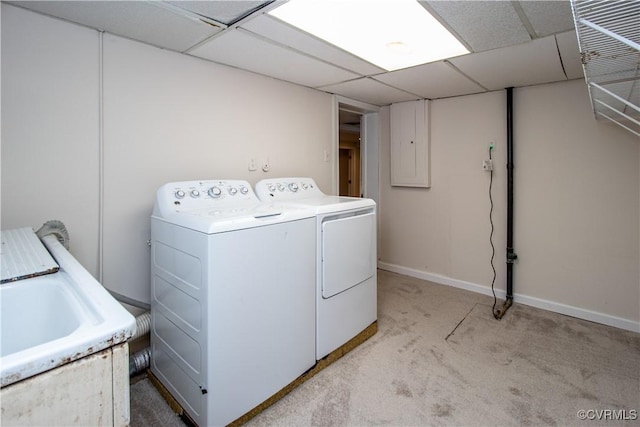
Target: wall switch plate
(487,165)
(253,165)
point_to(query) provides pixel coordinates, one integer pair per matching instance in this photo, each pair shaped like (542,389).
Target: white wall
(576,204)
(50,127)
(167,117)
(445,229)
(578,208)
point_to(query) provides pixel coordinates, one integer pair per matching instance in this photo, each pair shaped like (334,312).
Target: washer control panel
(282,189)
(188,195)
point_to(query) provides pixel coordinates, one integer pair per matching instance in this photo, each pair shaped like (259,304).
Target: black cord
(493,249)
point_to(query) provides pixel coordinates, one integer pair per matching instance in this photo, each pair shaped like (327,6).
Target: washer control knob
(233,191)
(271,188)
(243,189)
(281,187)
(179,194)
(215,192)
(293,187)
(195,193)
(305,186)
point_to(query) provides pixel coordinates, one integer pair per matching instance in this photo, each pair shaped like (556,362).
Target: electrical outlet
(487,165)
(265,165)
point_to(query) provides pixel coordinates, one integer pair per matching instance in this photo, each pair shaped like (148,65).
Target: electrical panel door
(410,144)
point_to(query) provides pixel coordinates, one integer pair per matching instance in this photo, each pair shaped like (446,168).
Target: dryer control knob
(244,190)
(281,187)
(179,194)
(271,188)
(293,187)
(195,193)
(233,191)
(215,192)
(304,185)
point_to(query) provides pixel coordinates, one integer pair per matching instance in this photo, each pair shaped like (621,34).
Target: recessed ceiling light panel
(391,34)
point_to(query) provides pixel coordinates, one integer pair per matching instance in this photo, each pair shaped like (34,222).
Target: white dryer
(232,297)
(346,258)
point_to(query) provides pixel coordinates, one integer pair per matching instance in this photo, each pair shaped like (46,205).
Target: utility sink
(54,319)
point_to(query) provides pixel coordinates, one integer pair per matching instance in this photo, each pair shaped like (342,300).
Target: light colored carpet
(439,358)
(148,407)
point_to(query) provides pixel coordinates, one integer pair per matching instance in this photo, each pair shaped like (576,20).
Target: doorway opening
(349,154)
(356,150)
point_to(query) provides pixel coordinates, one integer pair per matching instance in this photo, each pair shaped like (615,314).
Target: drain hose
(140,361)
(56,228)
(143,326)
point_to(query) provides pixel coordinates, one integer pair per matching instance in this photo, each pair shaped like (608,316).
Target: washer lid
(210,221)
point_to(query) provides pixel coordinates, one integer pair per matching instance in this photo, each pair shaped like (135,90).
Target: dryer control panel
(283,189)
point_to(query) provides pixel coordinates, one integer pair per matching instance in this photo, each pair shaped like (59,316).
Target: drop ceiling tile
(137,20)
(483,25)
(370,91)
(225,11)
(570,54)
(241,49)
(274,29)
(548,17)
(527,64)
(434,80)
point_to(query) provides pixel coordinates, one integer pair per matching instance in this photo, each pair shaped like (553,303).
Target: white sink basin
(51,320)
(55,312)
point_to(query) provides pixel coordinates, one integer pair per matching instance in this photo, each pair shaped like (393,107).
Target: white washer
(232,297)
(346,275)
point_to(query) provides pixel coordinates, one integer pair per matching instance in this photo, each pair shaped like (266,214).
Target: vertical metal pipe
(511,257)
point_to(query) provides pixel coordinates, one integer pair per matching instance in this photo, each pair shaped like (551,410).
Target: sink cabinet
(91,391)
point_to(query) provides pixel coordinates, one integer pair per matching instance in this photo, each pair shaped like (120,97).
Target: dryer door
(348,252)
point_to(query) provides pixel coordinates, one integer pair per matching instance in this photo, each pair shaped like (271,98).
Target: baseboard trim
(556,307)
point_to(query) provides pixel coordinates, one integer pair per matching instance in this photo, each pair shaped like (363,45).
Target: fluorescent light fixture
(391,34)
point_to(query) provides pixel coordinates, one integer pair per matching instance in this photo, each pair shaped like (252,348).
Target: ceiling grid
(242,34)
